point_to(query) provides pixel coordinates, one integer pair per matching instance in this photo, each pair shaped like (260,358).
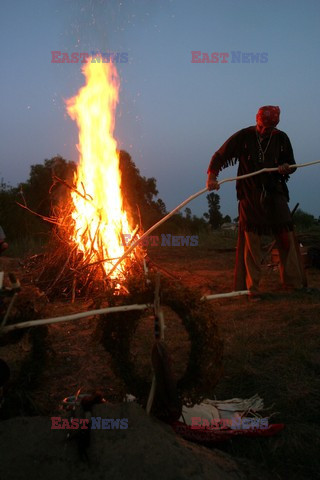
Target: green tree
(41,192)
(304,220)
(187,212)
(35,193)
(215,216)
(139,193)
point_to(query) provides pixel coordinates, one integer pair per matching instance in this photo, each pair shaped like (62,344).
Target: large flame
(100,220)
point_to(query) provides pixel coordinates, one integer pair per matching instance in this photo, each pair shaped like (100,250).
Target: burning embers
(98,214)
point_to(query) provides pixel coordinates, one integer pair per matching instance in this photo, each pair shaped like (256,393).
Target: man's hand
(212,182)
(284,169)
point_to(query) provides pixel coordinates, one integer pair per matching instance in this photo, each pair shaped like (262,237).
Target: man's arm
(286,157)
(227,155)
(212,182)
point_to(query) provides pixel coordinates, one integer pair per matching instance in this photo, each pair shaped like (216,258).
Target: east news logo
(95,423)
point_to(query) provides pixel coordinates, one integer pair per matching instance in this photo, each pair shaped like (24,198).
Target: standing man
(263,199)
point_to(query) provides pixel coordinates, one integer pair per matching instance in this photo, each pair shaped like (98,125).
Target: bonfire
(88,255)
(92,227)
(100,223)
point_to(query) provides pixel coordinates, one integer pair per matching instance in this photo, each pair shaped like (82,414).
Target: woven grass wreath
(204,367)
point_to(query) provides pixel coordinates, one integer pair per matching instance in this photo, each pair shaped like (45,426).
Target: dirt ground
(270,348)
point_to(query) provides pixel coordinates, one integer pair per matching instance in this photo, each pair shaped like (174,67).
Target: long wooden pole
(75,316)
(225,295)
(195,195)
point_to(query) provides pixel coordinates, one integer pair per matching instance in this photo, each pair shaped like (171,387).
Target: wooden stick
(266,170)
(158,334)
(195,195)
(63,269)
(44,218)
(5,318)
(225,295)
(73,189)
(151,395)
(75,316)
(74,282)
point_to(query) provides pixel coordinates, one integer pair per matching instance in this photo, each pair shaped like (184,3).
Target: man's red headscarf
(268,116)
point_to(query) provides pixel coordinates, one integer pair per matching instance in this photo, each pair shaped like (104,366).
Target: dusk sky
(173,114)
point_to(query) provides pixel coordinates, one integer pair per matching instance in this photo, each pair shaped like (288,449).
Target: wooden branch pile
(64,270)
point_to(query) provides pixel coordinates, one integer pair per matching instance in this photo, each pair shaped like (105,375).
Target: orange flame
(100,220)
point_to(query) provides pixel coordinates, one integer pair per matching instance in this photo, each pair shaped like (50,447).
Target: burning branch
(70,187)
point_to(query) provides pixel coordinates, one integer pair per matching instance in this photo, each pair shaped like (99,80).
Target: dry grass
(271,348)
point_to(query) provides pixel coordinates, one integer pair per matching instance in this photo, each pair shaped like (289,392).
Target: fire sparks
(99,218)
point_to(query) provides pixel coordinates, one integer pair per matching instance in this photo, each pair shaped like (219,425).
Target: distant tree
(34,193)
(187,212)
(199,224)
(161,206)
(215,216)
(139,193)
(12,219)
(187,224)
(39,192)
(42,194)
(227,219)
(304,220)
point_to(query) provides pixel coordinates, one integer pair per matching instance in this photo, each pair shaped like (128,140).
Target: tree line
(44,196)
